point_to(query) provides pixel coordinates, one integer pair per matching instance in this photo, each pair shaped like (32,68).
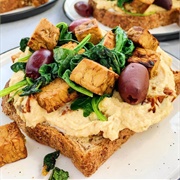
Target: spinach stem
(12,88)
(82,43)
(99,114)
(74,86)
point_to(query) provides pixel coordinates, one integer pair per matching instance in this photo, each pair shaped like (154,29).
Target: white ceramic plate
(153,154)
(161,33)
(25,12)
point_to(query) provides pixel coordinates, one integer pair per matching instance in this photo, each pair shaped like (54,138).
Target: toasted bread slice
(87,154)
(112,18)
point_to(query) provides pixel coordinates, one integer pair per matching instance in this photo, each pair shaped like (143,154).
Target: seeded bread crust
(126,21)
(87,154)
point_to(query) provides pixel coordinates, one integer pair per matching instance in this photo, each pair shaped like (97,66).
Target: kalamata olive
(133,83)
(37,59)
(166,4)
(76,23)
(83,9)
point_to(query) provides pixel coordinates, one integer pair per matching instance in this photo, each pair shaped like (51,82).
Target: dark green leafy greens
(120,3)
(65,60)
(74,86)
(18,66)
(89,105)
(59,174)
(23,43)
(50,160)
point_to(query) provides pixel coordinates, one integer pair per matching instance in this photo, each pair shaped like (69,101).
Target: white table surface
(12,32)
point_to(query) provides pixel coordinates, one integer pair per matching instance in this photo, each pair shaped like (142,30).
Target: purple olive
(133,83)
(166,4)
(37,59)
(83,9)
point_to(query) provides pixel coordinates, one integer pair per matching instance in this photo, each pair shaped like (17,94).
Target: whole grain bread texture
(126,21)
(87,154)
(9,5)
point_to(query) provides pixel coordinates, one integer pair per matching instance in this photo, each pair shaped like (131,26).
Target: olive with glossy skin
(133,83)
(83,9)
(76,23)
(37,59)
(166,4)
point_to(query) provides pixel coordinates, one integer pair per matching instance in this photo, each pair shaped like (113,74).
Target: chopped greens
(59,174)
(120,3)
(89,105)
(18,66)
(49,161)
(74,86)
(23,43)
(65,60)
(12,88)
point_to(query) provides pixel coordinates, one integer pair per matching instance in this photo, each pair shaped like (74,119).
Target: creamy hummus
(112,6)
(120,114)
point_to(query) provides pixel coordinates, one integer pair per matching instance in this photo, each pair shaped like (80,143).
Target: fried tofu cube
(72,45)
(89,27)
(138,6)
(109,40)
(45,36)
(94,77)
(142,38)
(148,58)
(55,95)
(12,144)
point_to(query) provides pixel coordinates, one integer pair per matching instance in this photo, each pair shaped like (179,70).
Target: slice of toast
(87,154)
(113,18)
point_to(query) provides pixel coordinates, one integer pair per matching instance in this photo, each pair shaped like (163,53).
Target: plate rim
(161,37)
(10,17)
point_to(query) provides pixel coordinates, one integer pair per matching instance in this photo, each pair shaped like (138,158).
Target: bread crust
(126,21)
(87,154)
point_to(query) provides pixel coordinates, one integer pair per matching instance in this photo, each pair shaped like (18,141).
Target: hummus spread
(120,114)
(112,6)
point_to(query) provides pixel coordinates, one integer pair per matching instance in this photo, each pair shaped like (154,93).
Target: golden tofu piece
(89,27)
(142,38)
(94,77)
(148,58)
(55,95)
(72,45)
(109,40)
(12,144)
(138,6)
(45,36)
